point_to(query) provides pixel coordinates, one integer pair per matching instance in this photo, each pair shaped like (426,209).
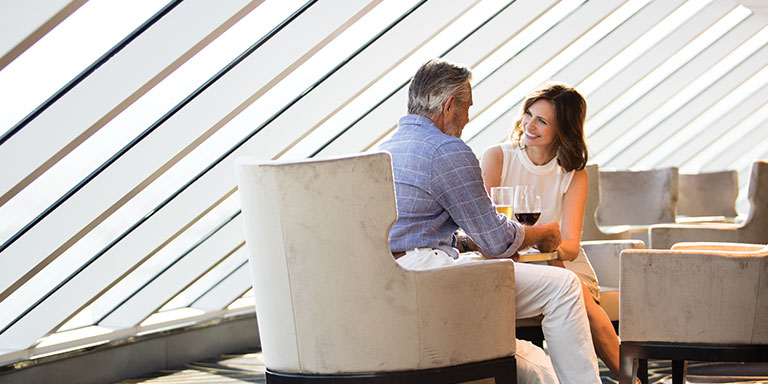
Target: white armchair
(753,230)
(638,199)
(333,305)
(704,302)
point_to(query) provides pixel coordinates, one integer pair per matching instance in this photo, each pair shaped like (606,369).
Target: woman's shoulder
(494,151)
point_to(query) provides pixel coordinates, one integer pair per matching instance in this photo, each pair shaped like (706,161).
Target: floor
(249,368)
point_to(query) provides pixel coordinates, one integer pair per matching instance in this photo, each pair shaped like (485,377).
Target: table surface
(531,255)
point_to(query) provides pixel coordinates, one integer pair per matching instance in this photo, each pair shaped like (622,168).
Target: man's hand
(546,237)
(550,238)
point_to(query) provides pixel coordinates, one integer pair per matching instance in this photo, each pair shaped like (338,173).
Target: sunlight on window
(557,63)
(398,75)
(672,65)
(209,280)
(159,261)
(171,316)
(597,119)
(734,137)
(65,51)
(716,113)
(640,46)
(244,301)
(139,116)
(517,44)
(71,335)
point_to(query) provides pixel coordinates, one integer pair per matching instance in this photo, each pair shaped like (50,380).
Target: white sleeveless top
(550,179)
(551,182)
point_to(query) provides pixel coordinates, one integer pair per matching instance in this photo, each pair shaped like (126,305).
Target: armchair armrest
(466,310)
(711,246)
(663,236)
(604,257)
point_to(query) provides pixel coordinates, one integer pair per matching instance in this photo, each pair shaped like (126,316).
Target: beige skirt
(581,266)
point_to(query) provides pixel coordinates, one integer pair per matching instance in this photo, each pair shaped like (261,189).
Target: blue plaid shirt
(439,188)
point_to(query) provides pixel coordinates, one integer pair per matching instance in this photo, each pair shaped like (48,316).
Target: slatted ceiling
(671,91)
(226,291)
(368,129)
(25,23)
(132,269)
(741,114)
(413,27)
(117,83)
(465,51)
(68,37)
(720,140)
(226,267)
(168,191)
(177,277)
(702,131)
(46,230)
(173,278)
(138,167)
(711,101)
(640,76)
(332,102)
(743,149)
(686,94)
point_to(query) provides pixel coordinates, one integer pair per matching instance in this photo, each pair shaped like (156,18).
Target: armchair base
(503,370)
(634,355)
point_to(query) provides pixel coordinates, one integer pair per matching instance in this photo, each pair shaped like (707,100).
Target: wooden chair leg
(679,371)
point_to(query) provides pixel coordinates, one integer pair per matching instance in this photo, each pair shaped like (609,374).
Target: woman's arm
(573,216)
(491,163)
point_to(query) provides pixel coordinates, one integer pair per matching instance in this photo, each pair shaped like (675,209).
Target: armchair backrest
(589,228)
(637,197)
(317,236)
(708,194)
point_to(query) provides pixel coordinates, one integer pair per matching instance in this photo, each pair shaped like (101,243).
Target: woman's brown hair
(571,111)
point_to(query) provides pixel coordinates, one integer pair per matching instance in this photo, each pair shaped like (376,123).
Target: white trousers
(539,290)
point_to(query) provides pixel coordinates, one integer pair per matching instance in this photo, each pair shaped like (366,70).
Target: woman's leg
(603,335)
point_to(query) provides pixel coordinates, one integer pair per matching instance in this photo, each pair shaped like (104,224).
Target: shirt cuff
(519,237)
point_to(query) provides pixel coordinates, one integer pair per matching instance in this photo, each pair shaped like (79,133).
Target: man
(439,188)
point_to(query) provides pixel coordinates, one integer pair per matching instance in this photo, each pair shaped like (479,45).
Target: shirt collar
(417,120)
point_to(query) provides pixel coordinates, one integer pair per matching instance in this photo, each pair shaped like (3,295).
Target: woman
(548,149)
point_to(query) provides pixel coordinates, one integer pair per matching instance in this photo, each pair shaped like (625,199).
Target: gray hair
(434,83)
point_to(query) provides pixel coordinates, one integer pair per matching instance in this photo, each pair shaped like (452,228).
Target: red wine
(528,218)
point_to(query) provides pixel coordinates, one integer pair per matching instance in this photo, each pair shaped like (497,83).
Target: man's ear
(448,105)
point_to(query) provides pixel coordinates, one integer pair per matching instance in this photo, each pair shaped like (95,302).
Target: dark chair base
(503,370)
(634,355)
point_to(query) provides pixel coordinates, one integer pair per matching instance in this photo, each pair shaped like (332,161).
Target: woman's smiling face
(540,125)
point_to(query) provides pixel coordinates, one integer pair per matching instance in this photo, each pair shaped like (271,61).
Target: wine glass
(503,199)
(527,204)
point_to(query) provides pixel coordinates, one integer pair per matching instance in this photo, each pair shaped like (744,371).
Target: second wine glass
(527,204)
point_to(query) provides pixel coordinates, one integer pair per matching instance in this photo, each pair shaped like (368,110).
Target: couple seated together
(441,186)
